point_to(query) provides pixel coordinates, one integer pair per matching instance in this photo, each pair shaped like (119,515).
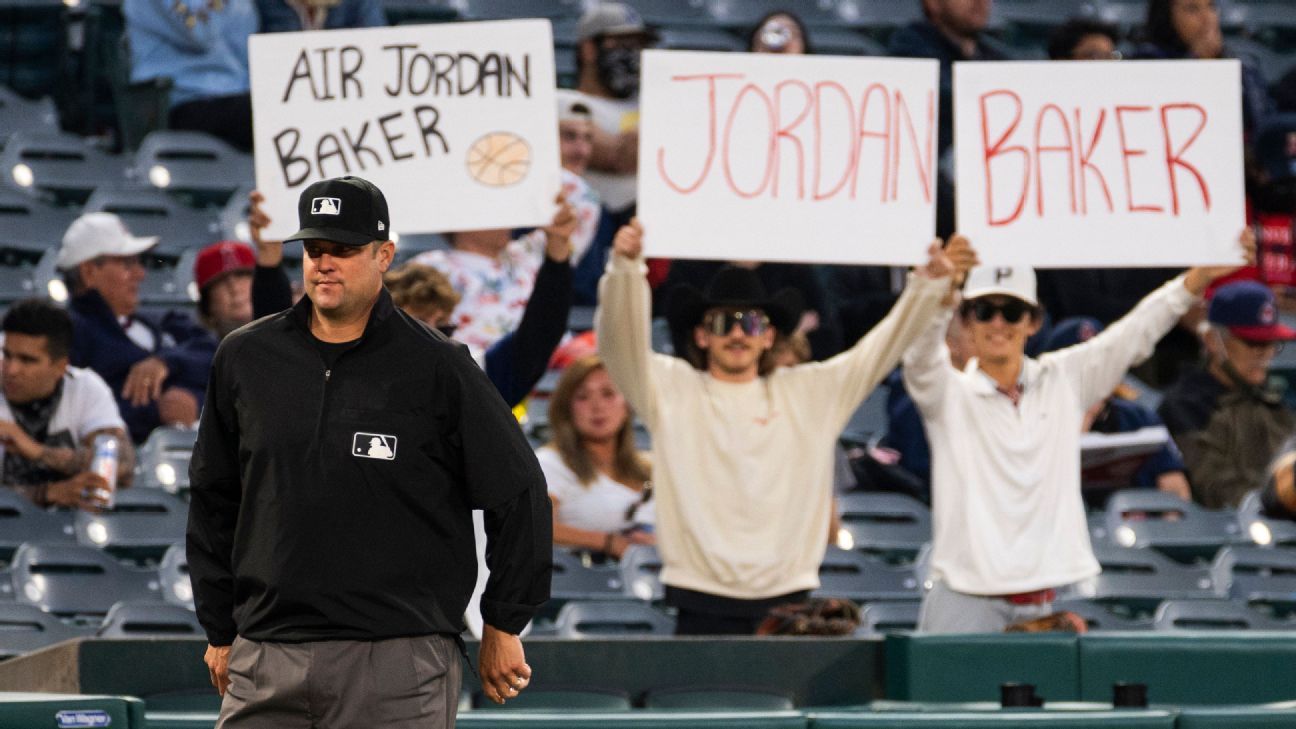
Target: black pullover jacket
(335,504)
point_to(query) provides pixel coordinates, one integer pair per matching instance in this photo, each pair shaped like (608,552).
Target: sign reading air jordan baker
(456,123)
(1085,163)
(788,158)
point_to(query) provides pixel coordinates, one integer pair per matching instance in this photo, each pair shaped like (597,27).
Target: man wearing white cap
(1008,520)
(154,382)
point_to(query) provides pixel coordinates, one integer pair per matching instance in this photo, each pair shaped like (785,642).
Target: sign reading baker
(787,158)
(1087,163)
(455,123)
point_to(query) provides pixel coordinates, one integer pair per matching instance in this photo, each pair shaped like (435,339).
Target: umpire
(342,449)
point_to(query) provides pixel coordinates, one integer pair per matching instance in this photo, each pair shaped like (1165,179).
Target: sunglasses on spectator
(753,322)
(1011,310)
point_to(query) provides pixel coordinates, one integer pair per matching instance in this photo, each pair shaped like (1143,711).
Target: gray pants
(344,684)
(947,611)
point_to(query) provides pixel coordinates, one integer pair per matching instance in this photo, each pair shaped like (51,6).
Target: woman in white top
(597,480)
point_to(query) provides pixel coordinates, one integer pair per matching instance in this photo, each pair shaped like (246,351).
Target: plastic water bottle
(105,464)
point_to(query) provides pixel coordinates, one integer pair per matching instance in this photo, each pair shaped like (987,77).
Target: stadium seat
(30,224)
(1257,576)
(25,628)
(1182,530)
(1127,15)
(413,244)
(1210,615)
(151,212)
(538,698)
(703,698)
(163,460)
(885,524)
(198,165)
(861,578)
(150,619)
(844,42)
(1139,579)
(1099,617)
(601,619)
(1261,529)
(698,39)
(743,15)
(691,13)
(505,9)
(233,216)
(573,580)
(880,618)
(22,521)
(141,526)
(173,574)
(641,572)
(75,580)
(61,165)
(18,114)
(880,19)
(33,46)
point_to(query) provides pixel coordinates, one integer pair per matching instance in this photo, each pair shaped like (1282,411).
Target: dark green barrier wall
(23,710)
(972,667)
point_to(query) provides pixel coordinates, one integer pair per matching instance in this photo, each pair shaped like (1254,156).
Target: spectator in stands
(201,45)
(1271,209)
(1009,523)
(952,30)
(779,32)
(1119,413)
(611,36)
(743,463)
(598,480)
(495,275)
(51,413)
(223,273)
(592,237)
(1191,29)
(1278,496)
(518,360)
(1084,39)
(155,381)
(292,15)
(1227,417)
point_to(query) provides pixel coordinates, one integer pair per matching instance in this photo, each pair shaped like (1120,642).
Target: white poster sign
(787,158)
(455,123)
(1096,164)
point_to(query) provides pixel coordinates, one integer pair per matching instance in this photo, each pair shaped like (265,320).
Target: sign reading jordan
(788,158)
(455,123)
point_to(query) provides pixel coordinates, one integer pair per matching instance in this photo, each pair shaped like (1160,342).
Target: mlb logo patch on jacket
(374,445)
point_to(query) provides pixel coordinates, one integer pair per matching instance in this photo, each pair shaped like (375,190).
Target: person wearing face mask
(611,38)
(1008,519)
(1228,417)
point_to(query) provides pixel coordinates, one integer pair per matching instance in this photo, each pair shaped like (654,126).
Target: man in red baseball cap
(223,273)
(1227,417)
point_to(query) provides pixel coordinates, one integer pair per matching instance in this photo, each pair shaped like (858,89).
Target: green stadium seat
(64,166)
(150,620)
(1181,530)
(21,114)
(22,521)
(889,525)
(68,710)
(862,578)
(702,698)
(1009,719)
(1211,615)
(1258,576)
(141,526)
(558,699)
(1262,530)
(632,720)
(1196,669)
(203,169)
(972,667)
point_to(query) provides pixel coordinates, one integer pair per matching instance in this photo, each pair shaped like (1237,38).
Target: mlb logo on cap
(326,206)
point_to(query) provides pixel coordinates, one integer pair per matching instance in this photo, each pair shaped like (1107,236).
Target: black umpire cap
(347,210)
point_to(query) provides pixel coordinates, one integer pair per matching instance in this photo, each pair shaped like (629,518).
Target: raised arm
(623,322)
(1098,365)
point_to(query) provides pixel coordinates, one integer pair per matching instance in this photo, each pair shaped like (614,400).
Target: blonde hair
(420,289)
(628,465)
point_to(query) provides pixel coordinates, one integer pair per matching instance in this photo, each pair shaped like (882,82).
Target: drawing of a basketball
(499,159)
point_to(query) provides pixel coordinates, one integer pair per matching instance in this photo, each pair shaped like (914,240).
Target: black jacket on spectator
(334,501)
(100,343)
(1227,435)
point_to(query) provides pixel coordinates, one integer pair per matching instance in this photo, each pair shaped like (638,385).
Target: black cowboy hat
(731,288)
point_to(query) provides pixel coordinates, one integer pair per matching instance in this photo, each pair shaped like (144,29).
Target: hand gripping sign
(787,158)
(455,123)
(1093,164)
